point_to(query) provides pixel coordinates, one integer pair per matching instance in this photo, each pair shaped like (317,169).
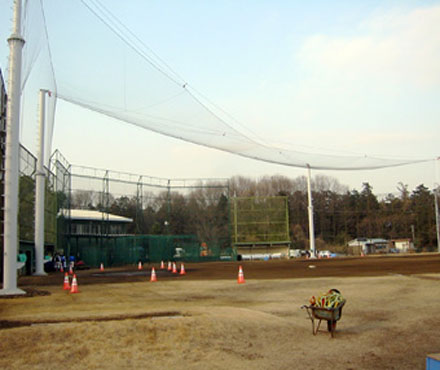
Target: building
(402,245)
(360,246)
(93,223)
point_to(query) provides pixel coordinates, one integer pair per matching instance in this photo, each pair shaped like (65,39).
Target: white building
(368,245)
(89,222)
(402,245)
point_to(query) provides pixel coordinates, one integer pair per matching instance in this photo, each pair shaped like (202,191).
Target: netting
(109,70)
(37,73)
(26,214)
(260,220)
(125,250)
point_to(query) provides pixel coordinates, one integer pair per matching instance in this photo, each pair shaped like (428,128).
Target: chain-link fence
(130,249)
(186,219)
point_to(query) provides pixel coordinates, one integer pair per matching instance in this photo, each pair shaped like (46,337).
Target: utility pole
(310,208)
(413,234)
(10,240)
(437,223)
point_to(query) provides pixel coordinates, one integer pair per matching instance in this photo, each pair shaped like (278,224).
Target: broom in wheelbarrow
(328,307)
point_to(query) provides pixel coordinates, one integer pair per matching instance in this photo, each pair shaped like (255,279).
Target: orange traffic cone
(169,266)
(162,266)
(140,265)
(74,288)
(62,269)
(153,275)
(101,268)
(66,285)
(70,270)
(240,276)
(174,268)
(182,269)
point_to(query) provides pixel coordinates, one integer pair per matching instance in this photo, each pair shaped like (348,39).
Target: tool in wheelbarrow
(326,307)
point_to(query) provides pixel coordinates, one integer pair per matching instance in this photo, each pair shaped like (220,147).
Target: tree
(422,205)
(84,199)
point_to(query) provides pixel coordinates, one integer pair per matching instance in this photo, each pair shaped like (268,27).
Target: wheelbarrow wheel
(331,325)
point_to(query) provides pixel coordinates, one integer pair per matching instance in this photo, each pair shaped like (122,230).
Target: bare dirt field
(205,320)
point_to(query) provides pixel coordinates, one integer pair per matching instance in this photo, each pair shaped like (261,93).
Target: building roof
(361,241)
(89,215)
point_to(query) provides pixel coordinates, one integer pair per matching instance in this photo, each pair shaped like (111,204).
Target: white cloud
(392,48)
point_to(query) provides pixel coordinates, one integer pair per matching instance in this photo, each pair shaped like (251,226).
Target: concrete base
(39,274)
(7,292)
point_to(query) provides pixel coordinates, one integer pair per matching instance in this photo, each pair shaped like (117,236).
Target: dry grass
(388,323)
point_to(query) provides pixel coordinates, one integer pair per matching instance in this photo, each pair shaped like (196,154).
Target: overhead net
(37,73)
(101,65)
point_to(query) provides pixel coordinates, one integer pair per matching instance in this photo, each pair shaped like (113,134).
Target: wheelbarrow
(332,315)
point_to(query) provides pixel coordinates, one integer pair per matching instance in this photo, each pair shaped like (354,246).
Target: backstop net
(164,219)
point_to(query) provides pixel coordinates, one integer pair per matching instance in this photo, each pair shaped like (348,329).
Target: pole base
(13,291)
(39,274)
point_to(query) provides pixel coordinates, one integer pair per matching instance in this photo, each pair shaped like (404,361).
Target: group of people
(60,261)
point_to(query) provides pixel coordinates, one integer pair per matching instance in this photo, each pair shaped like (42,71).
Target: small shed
(368,246)
(402,245)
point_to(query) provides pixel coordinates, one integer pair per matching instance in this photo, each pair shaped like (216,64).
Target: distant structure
(404,245)
(260,227)
(94,223)
(3,101)
(360,246)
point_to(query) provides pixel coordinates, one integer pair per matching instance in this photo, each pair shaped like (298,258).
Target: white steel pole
(10,237)
(39,194)
(310,208)
(437,222)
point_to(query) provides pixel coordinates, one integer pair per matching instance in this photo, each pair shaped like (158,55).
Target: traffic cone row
(74,286)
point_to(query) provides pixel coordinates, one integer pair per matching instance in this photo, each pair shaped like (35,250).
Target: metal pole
(167,221)
(10,239)
(437,223)
(310,208)
(39,194)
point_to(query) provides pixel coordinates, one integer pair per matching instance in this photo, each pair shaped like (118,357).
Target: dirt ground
(205,320)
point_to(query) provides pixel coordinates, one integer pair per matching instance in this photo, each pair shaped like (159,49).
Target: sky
(345,77)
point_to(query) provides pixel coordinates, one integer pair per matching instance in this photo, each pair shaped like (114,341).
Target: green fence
(124,250)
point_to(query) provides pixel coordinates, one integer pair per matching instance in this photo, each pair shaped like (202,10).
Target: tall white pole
(10,237)
(310,208)
(437,222)
(39,194)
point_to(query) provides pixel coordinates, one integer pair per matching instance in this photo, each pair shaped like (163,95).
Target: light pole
(10,236)
(310,208)
(39,193)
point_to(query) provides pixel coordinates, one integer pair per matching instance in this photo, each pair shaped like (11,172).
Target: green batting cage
(120,218)
(260,227)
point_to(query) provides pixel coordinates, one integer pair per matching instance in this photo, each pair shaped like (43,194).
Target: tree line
(340,214)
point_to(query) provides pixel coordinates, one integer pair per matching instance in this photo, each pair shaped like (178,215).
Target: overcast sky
(353,77)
